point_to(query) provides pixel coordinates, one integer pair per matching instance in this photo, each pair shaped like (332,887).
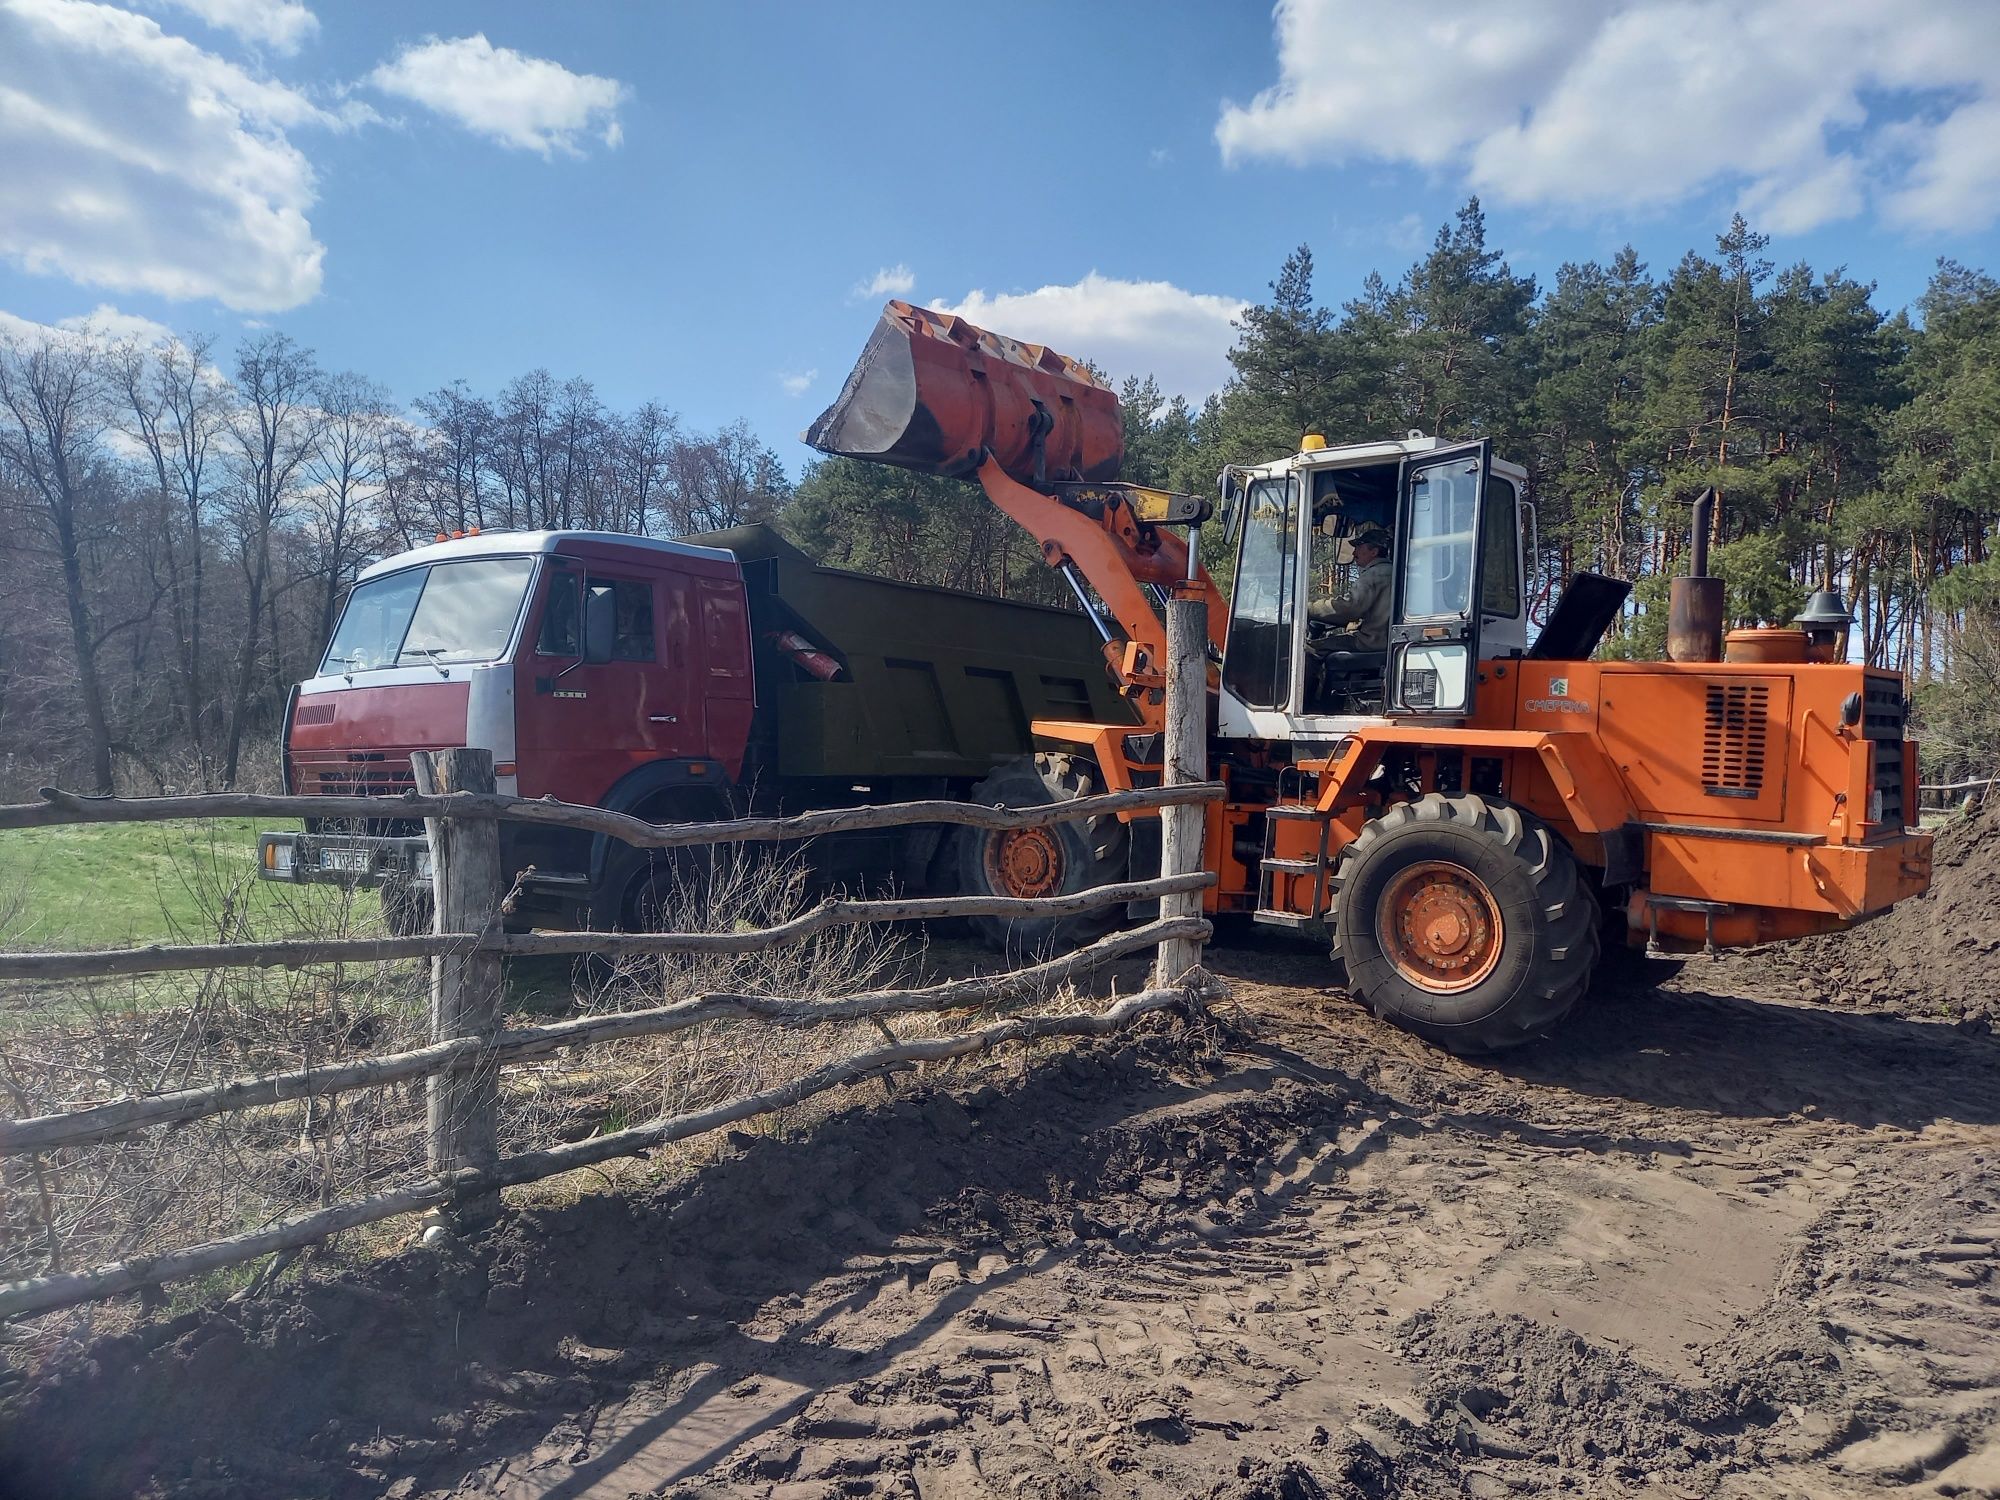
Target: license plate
(347,861)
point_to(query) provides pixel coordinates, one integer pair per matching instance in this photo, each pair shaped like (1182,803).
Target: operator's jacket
(1366,606)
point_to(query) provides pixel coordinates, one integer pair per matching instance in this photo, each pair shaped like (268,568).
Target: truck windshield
(447,612)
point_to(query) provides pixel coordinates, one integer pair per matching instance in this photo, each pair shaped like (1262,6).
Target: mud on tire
(1465,921)
(1057,859)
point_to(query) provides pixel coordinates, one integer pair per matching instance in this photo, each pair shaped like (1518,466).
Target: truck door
(592,709)
(1434,629)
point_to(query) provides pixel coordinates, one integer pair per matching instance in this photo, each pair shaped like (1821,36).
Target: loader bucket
(932,392)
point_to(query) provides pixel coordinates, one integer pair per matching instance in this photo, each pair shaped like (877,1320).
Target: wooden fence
(1951,794)
(466,950)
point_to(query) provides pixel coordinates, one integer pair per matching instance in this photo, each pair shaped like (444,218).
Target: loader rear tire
(1464,920)
(1057,859)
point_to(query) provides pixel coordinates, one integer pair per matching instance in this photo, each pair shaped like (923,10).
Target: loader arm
(1117,553)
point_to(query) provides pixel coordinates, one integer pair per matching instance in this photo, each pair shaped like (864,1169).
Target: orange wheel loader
(1469,817)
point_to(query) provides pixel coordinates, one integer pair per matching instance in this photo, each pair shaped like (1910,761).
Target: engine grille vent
(1732,745)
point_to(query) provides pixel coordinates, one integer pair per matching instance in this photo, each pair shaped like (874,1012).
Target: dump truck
(704,678)
(1467,814)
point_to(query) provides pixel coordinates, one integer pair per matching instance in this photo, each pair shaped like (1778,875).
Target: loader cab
(1455,585)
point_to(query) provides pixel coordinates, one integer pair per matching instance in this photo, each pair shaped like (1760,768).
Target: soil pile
(1936,957)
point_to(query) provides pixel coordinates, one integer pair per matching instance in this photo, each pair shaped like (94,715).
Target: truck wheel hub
(1026,863)
(1439,926)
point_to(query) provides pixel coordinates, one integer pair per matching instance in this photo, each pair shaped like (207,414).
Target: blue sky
(689,203)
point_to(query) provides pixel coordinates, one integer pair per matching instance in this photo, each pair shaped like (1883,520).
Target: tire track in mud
(1694,1245)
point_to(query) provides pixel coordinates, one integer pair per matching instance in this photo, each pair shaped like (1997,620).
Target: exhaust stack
(933,393)
(1694,603)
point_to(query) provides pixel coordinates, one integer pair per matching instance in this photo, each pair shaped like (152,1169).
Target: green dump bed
(930,682)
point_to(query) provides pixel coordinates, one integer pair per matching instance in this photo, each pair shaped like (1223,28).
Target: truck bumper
(348,859)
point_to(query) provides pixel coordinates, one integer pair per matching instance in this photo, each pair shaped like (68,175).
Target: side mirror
(1228,501)
(600,624)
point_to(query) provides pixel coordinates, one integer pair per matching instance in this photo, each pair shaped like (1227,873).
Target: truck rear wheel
(1465,921)
(1057,859)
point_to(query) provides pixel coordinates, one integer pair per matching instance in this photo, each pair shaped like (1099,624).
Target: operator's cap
(1371,535)
(1825,609)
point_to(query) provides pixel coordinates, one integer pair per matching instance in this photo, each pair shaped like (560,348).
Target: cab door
(1434,626)
(591,710)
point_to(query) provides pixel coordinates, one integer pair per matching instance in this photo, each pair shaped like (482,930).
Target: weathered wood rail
(469,1046)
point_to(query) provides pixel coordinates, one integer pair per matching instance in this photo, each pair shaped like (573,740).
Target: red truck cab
(608,670)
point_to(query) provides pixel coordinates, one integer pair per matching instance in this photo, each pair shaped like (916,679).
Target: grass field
(107,885)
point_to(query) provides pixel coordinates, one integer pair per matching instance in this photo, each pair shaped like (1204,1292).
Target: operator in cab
(1365,606)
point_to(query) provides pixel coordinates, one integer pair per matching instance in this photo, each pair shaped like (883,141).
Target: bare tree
(727,480)
(275,428)
(642,447)
(176,406)
(343,477)
(54,408)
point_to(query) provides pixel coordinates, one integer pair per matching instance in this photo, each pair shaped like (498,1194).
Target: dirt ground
(1697,1244)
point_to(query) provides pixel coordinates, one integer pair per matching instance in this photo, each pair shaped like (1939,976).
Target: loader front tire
(1464,920)
(1056,859)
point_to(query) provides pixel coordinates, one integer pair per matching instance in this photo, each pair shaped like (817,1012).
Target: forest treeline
(183,522)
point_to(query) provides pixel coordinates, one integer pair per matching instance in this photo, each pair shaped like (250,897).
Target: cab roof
(517,543)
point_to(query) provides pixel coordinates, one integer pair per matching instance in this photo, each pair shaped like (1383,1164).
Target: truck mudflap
(1708,891)
(932,392)
(349,859)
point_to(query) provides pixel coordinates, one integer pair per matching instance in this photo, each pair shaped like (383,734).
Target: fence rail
(58,808)
(1940,793)
(468,1045)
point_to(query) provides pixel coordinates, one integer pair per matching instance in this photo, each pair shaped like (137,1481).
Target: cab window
(1437,541)
(1257,666)
(1500,558)
(561,617)
(632,610)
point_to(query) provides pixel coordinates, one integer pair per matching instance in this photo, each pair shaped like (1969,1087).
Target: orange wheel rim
(1440,927)
(1026,863)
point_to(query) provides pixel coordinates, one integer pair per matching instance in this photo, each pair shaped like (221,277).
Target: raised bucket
(933,392)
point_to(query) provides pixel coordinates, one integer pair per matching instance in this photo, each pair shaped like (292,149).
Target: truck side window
(559,618)
(634,612)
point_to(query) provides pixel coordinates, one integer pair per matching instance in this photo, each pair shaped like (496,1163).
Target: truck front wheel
(650,890)
(1465,921)
(1056,859)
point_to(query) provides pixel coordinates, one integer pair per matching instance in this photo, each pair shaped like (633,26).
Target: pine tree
(1462,317)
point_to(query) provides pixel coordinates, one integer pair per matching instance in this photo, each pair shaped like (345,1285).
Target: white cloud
(798,385)
(1155,328)
(137,161)
(891,281)
(1808,110)
(103,326)
(528,103)
(281,25)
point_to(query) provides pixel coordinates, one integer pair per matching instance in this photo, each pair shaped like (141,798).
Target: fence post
(465,987)
(1182,828)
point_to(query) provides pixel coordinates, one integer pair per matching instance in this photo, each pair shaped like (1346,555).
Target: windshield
(448,612)
(1257,666)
